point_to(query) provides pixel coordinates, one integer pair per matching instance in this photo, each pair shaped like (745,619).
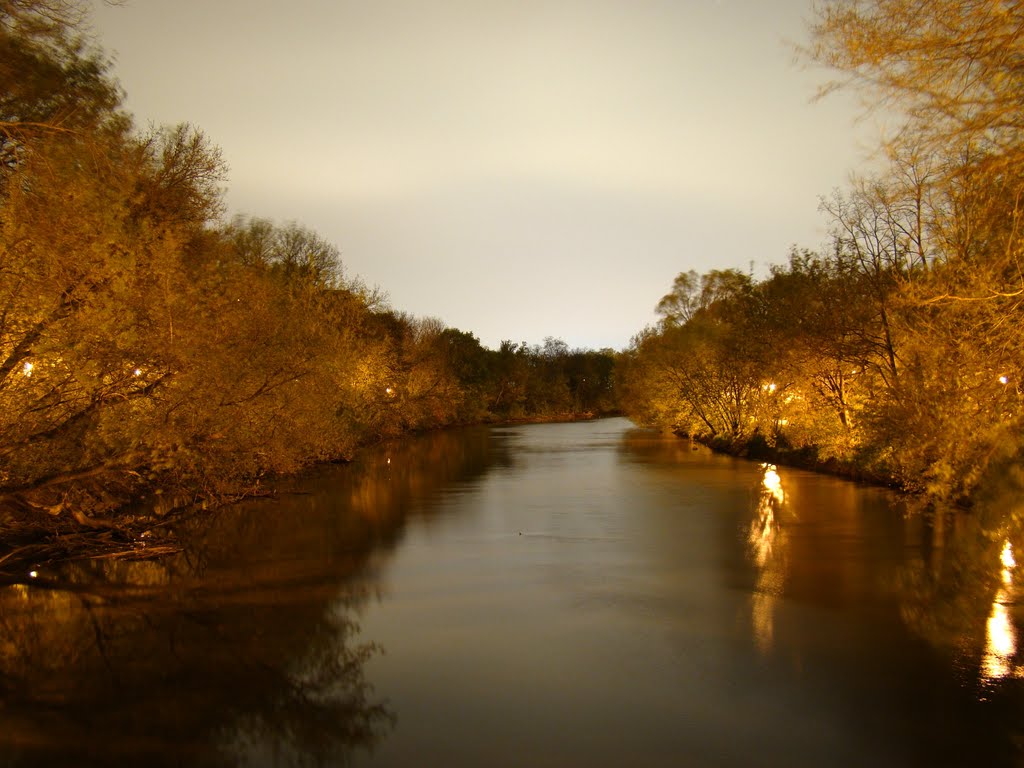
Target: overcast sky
(517,168)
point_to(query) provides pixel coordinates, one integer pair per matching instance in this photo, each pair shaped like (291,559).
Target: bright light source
(33,574)
(27,369)
(1003,380)
(137,371)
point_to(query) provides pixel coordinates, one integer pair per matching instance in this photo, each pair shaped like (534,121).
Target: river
(585,594)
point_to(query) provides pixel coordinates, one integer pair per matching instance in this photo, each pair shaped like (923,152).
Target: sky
(517,168)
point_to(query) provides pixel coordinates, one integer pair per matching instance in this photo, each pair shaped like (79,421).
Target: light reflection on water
(1000,634)
(767,542)
(579,594)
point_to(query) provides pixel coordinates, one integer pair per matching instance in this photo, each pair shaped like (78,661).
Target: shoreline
(142,529)
(803,458)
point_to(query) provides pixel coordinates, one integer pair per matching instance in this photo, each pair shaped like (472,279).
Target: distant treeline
(146,344)
(898,352)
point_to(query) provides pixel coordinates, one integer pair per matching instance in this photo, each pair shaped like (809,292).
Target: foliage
(149,347)
(900,350)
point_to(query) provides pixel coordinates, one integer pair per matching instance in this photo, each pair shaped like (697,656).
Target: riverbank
(758,449)
(143,528)
(557,418)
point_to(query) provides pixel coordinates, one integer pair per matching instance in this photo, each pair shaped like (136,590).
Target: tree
(692,293)
(703,375)
(869,246)
(92,300)
(590,380)
(51,80)
(293,251)
(952,69)
(472,365)
(147,344)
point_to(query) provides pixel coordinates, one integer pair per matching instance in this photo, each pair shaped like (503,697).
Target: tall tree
(952,69)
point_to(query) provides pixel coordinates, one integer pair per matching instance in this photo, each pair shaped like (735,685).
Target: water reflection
(662,605)
(1000,635)
(243,649)
(768,546)
(104,680)
(960,593)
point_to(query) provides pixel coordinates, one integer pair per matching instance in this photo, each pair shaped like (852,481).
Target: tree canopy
(152,350)
(899,351)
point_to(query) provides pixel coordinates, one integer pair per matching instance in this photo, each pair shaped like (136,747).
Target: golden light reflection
(19,591)
(762,535)
(1000,635)
(1000,644)
(766,542)
(772,482)
(1007,559)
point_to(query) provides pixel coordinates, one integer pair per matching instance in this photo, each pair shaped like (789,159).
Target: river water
(584,594)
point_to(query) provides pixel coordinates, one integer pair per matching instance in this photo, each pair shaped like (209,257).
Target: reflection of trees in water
(767,545)
(316,516)
(243,649)
(961,592)
(654,445)
(323,707)
(186,674)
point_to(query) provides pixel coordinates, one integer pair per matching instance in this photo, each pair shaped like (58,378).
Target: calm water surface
(581,594)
